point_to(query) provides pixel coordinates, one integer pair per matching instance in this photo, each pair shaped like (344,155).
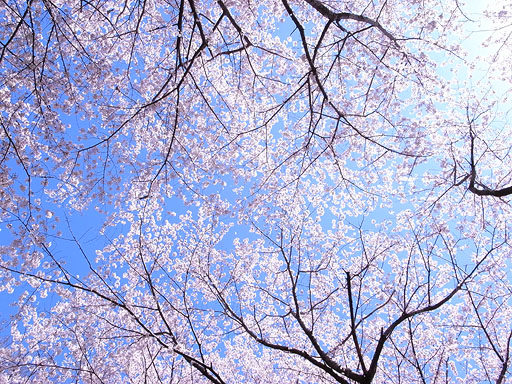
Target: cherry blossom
(242,191)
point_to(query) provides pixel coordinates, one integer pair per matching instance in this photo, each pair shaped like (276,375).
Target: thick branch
(505,364)
(353,325)
(489,192)
(337,16)
(473,184)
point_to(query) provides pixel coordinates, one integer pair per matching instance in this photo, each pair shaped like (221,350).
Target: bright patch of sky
(486,36)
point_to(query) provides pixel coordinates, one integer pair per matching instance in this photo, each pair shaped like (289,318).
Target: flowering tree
(289,191)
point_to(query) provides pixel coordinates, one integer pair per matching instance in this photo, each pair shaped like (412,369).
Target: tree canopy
(240,191)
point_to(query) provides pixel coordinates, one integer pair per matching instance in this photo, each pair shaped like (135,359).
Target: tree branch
(337,16)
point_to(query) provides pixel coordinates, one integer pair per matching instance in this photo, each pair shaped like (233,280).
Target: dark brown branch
(13,35)
(485,191)
(353,325)
(505,364)
(337,16)
(205,370)
(476,187)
